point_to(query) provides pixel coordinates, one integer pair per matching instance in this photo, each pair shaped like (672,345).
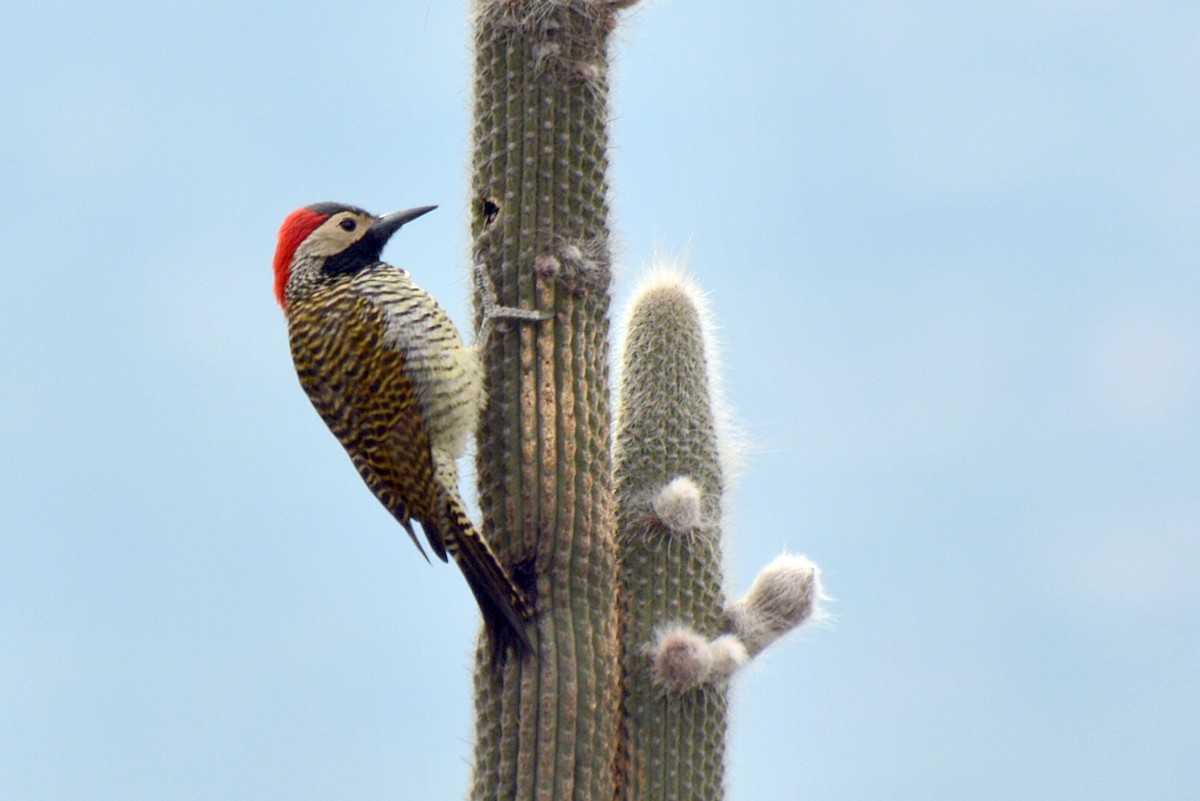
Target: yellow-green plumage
(387,371)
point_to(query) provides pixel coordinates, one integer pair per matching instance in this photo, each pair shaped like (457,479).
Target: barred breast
(447,376)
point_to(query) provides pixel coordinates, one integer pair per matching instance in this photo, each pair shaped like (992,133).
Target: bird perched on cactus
(389,374)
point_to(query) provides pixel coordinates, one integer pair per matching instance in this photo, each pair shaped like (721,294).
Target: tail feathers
(505,609)
(413,536)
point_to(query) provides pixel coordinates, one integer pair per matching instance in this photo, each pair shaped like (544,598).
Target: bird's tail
(504,606)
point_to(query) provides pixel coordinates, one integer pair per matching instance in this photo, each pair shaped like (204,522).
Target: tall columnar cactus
(669,479)
(546,725)
(680,643)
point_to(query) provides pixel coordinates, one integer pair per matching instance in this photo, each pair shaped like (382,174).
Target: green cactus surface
(668,478)
(546,724)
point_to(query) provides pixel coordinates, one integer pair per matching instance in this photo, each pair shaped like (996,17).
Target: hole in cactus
(490,210)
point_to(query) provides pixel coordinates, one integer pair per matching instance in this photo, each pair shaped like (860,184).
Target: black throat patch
(358,256)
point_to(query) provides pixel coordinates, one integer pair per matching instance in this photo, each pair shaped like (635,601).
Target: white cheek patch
(331,238)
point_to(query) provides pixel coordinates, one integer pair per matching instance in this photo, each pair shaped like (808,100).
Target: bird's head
(325,240)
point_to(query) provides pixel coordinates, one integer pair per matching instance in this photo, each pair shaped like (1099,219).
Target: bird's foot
(492,311)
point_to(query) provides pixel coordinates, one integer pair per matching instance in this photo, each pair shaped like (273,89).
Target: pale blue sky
(953,252)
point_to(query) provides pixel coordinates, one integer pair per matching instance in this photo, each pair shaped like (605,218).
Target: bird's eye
(347,224)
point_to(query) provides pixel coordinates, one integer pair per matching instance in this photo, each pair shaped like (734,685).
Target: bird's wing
(356,380)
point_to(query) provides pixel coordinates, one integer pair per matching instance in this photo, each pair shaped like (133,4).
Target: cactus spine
(546,725)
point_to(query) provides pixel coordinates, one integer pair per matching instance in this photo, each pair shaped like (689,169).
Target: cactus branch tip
(677,504)
(680,658)
(729,654)
(787,593)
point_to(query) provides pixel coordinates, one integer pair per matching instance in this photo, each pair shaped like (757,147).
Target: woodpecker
(387,371)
